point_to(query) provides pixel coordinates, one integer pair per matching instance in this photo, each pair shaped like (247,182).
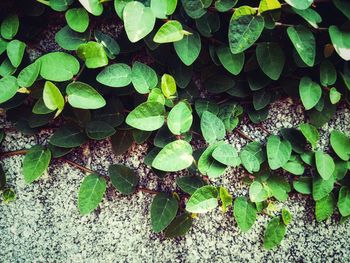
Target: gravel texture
(43,223)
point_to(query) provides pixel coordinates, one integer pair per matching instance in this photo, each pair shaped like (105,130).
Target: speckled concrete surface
(43,224)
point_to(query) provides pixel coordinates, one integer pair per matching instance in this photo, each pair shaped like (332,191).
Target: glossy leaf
(188,48)
(15,51)
(35,163)
(52,97)
(340,144)
(116,75)
(171,31)
(324,164)
(310,92)
(180,118)
(143,77)
(77,19)
(203,200)
(8,87)
(83,96)
(341,41)
(271,59)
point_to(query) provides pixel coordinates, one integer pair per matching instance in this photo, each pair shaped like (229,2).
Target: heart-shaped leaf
(278,152)
(123,178)
(83,96)
(163,211)
(35,163)
(244,213)
(116,75)
(203,200)
(180,118)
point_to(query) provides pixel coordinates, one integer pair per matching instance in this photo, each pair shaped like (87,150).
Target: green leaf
(252,156)
(195,8)
(244,213)
(175,156)
(261,98)
(226,198)
(148,116)
(310,15)
(8,87)
(278,187)
(303,185)
(58,66)
(274,233)
(300,4)
(203,200)
(340,144)
(83,96)
(286,216)
(171,31)
(294,166)
(77,19)
(68,39)
(119,6)
(121,141)
(35,163)
(232,62)
(278,152)
(179,226)
(304,43)
(334,96)
(138,20)
(229,114)
(163,8)
(111,46)
(213,129)
(226,154)
(163,211)
(2,178)
(344,201)
(244,31)
(328,73)
(324,164)
(115,76)
(189,184)
(143,77)
(257,192)
(9,26)
(207,165)
(225,5)
(94,7)
(310,133)
(60,5)
(321,188)
(68,136)
(123,178)
(29,74)
(341,41)
(343,6)
(271,59)
(295,137)
(93,54)
(99,130)
(15,51)
(219,83)
(188,48)
(180,118)
(91,192)
(268,5)
(310,92)
(205,105)
(53,98)
(168,85)
(324,207)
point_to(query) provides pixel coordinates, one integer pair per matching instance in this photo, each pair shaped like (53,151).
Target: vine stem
(74,164)
(290,25)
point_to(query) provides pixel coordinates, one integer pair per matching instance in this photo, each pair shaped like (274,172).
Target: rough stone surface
(43,223)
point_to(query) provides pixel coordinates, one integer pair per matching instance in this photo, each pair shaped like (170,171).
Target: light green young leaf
(168,85)
(8,87)
(91,192)
(123,178)
(271,59)
(58,66)
(233,63)
(268,5)
(77,19)
(324,207)
(143,77)
(163,211)
(341,41)
(53,98)
(35,163)
(274,233)
(138,20)
(171,31)
(180,118)
(203,200)
(148,116)
(213,129)
(340,144)
(334,95)
(9,26)
(324,164)
(115,76)
(310,15)
(93,54)
(175,156)
(344,201)
(310,133)
(15,51)
(244,31)
(29,74)
(94,7)
(226,154)
(188,48)
(304,43)
(163,8)
(244,213)
(83,96)
(286,216)
(310,92)
(300,4)
(207,165)
(278,152)
(257,192)
(303,185)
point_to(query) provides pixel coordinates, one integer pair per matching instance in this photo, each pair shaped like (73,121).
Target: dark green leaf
(163,211)
(35,163)
(123,178)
